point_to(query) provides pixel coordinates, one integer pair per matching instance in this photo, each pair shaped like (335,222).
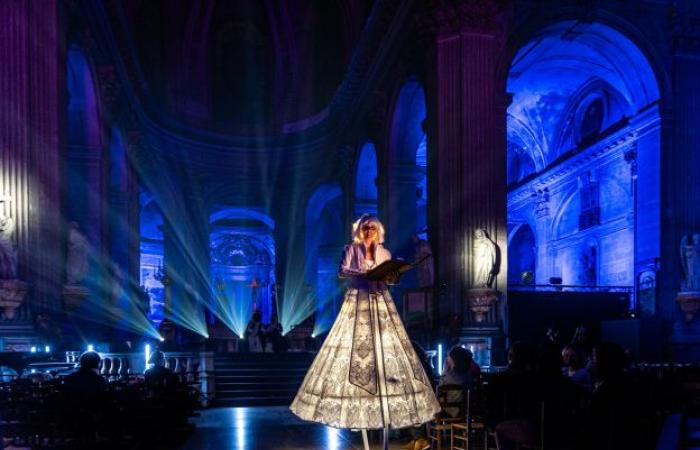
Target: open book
(382,271)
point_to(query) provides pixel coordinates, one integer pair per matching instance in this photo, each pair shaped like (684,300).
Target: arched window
(366,181)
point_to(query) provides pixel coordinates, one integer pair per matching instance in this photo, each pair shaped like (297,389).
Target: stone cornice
(610,145)
(482,16)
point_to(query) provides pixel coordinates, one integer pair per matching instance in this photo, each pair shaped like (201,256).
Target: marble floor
(272,428)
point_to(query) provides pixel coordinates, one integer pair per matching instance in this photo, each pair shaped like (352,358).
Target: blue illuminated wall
(151,256)
(407,170)
(366,181)
(583,153)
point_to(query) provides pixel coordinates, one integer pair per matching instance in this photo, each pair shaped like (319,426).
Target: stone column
(470,139)
(543,225)
(32,85)
(680,177)
(402,180)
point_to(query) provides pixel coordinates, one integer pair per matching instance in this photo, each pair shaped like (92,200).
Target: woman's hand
(392,278)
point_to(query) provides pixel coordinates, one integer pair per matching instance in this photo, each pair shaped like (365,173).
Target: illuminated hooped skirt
(366,375)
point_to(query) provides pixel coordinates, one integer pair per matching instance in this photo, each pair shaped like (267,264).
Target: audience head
(157,359)
(608,361)
(459,359)
(518,357)
(90,360)
(549,363)
(257,317)
(573,356)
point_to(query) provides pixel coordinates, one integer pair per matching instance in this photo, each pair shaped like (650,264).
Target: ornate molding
(685,27)
(622,141)
(484,16)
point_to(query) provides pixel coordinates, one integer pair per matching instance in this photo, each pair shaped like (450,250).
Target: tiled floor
(272,428)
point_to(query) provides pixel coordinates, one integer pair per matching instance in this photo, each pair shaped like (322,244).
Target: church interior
(180,181)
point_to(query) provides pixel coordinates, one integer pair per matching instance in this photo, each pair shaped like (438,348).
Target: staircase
(259,379)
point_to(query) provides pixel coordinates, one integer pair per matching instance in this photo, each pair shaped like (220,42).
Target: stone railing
(194,368)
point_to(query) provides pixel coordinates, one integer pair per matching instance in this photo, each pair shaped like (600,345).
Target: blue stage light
(90,348)
(33,349)
(439,355)
(47,349)
(147,354)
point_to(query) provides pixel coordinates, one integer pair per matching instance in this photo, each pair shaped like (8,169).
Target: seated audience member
(86,383)
(160,377)
(616,406)
(457,371)
(518,358)
(575,366)
(523,395)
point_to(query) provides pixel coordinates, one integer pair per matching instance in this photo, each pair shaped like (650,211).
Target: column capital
(463,16)
(685,28)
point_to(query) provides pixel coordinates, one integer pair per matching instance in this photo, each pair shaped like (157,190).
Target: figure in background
(576,366)
(690,258)
(485,260)
(77,259)
(86,385)
(458,370)
(272,332)
(254,333)
(8,252)
(159,378)
(426,274)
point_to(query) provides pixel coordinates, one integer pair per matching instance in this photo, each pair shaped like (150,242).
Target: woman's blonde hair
(363,220)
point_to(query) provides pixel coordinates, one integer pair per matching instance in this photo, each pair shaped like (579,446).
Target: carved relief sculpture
(690,260)
(8,252)
(689,297)
(12,290)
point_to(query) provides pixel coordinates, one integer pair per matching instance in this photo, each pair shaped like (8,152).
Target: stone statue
(77,259)
(8,252)
(690,259)
(426,274)
(485,260)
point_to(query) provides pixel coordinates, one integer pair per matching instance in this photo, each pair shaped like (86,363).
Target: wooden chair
(462,434)
(442,423)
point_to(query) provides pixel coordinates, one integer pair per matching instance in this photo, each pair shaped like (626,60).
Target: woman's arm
(346,270)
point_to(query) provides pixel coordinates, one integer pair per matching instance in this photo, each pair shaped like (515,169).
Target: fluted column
(470,140)
(31,87)
(681,215)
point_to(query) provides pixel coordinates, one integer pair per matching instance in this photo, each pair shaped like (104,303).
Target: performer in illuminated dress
(366,375)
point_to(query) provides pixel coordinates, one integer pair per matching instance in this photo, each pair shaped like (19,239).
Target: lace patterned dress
(366,375)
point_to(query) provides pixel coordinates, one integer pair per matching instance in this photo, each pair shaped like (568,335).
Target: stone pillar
(470,139)
(402,180)
(680,199)
(32,85)
(543,225)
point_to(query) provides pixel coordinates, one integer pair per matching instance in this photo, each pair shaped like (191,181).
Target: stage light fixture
(439,355)
(47,349)
(33,349)
(90,348)
(147,354)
